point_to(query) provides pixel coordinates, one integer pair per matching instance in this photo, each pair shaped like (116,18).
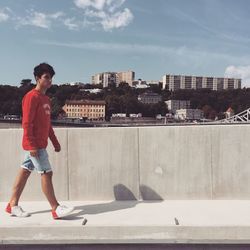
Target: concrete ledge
(127,235)
(183,221)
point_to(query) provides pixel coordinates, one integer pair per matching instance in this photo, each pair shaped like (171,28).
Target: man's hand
(34,153)
(58,148)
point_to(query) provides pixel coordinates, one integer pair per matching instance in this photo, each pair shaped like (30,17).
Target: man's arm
(53,139)
(30,104)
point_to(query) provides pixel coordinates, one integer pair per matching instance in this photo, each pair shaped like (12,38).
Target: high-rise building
(127,76)
(105,78)
(175,82)
(113,78)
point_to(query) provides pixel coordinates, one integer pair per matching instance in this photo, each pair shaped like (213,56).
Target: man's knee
(25,172)
(49,174)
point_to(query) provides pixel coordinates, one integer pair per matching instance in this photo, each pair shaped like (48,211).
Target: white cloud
(135,48)
(39,19)
(196,58)
(71,24)
(97,4)
(4,14)
(56,15)
(118,47)
(3,17)
(242,72)
(118,20)
(106,13)
(112,5)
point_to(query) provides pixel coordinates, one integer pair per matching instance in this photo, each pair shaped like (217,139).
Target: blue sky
(151,37)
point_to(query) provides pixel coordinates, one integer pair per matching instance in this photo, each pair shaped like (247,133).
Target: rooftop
(78,102)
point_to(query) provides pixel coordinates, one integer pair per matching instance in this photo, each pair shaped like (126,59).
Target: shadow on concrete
(40,212)
(148,193)
(121,193)
(124,195)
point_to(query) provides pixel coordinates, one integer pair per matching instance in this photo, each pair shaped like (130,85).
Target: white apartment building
(173,105)
(105,78)
(113,78)
(127,76)
(175,82)
(189,114)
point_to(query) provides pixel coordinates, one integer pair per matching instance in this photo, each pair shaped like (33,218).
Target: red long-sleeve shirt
(36,123)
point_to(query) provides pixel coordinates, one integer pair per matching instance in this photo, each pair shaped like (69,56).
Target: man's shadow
(124,198)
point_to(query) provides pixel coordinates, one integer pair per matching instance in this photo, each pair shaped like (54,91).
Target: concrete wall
(149,163)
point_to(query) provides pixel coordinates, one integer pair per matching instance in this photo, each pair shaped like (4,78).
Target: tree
(26,82)
(56,108)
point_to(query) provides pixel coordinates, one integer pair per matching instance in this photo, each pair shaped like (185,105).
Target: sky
(151,37)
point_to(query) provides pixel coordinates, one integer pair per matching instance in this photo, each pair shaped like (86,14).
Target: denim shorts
(40,163)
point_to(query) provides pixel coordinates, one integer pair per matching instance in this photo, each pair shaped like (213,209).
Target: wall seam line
(211,164)
(68,164)
(138,165)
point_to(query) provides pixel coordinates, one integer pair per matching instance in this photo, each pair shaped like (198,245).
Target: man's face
(45,81)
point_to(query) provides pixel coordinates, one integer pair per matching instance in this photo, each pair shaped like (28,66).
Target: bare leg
(48,189)
(19,185)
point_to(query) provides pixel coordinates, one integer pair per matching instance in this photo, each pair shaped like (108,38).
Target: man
(36,108)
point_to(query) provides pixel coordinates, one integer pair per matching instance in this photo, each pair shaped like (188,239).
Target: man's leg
(19,185)
(48,189)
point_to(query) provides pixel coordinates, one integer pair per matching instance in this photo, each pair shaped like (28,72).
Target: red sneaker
(16,211)
(61,211)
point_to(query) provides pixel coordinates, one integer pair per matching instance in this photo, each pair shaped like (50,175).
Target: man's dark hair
(43,68)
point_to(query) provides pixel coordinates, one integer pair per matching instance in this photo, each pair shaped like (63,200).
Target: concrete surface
(230,162)
(140,185)
(183,221)
(175,162)
(103,163)
(149,163)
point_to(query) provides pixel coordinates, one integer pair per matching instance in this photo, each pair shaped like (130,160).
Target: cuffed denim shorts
(40,163)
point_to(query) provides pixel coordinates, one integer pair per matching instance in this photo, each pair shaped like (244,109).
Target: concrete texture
(103,164)
(230,162)
(175,162)
(183,222)
(148,163)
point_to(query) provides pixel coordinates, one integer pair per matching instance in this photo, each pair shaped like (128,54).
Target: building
(76,84)
(113,78)
(189,114)
(149,98)
(173,105)
(175,82)
(106,79)
(93,91)
(90,109)
(140,84)
(119,115)
(97,79)
(127,76)
(154,82)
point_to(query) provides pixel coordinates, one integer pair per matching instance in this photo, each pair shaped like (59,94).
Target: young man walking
(37,128)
